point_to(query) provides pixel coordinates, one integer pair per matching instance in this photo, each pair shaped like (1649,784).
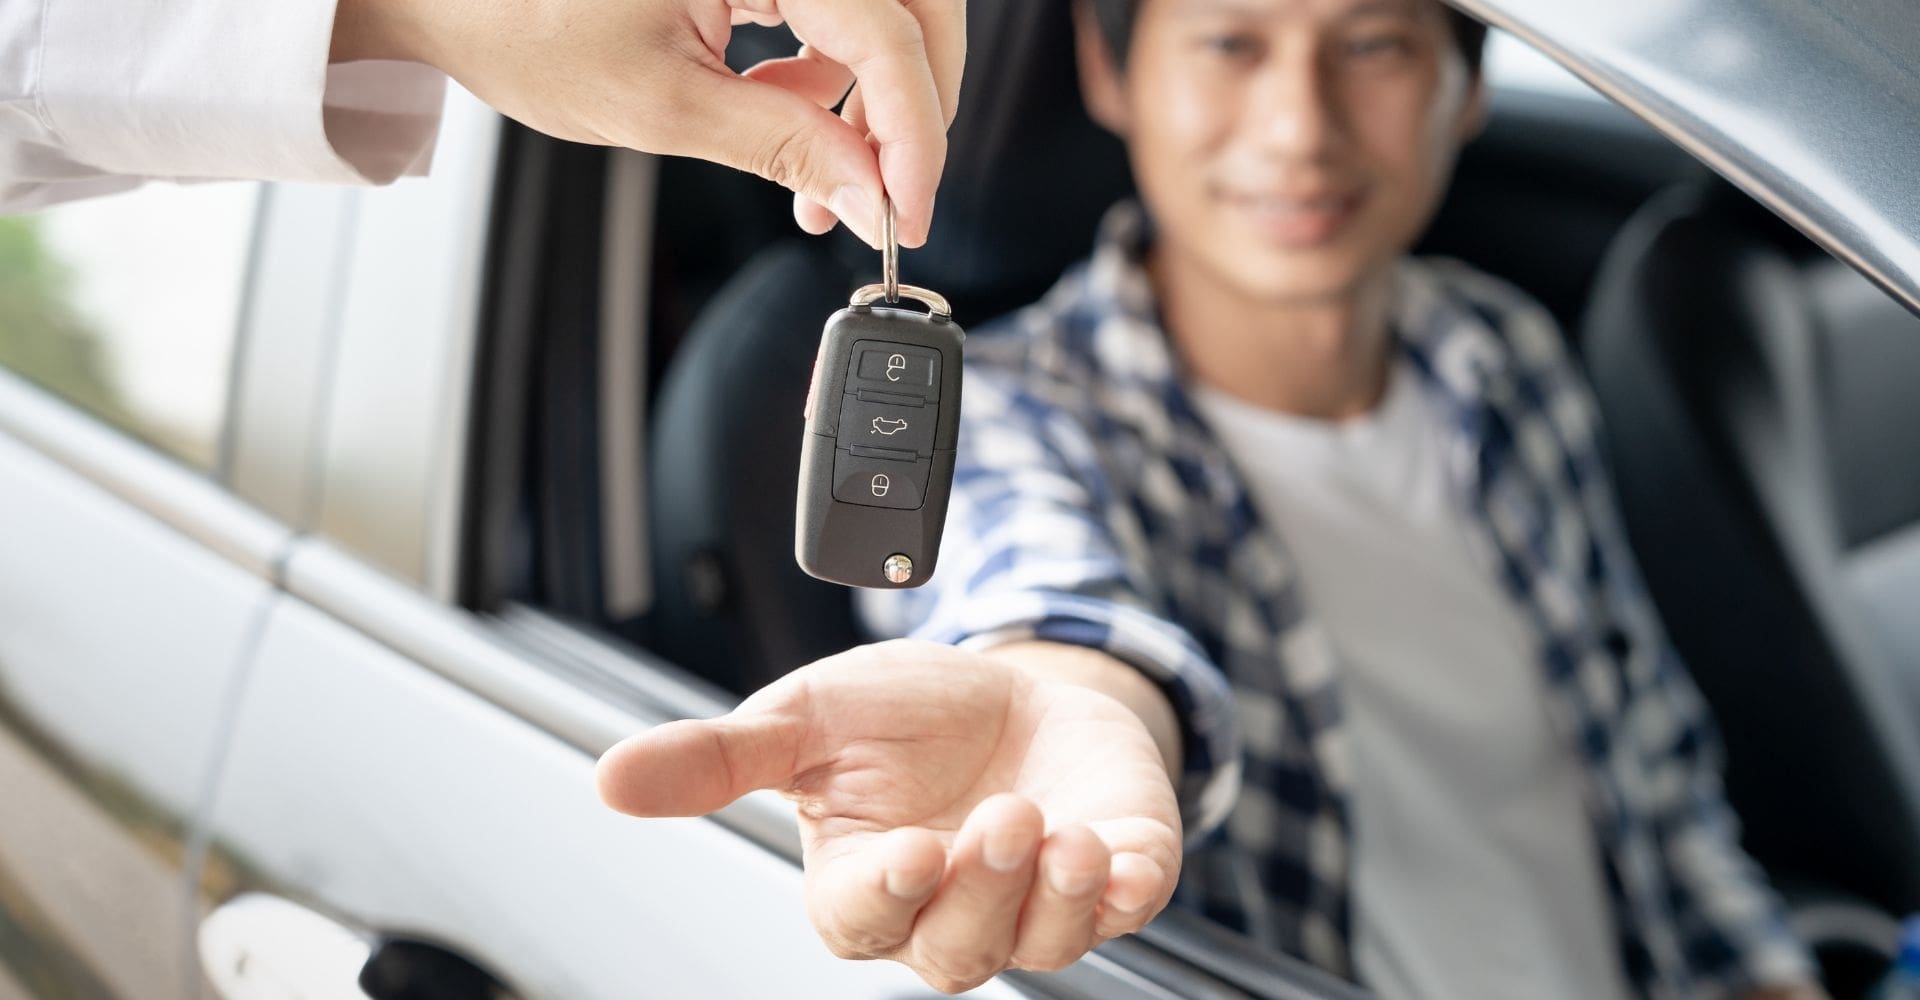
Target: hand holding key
(651,75)
(960,813)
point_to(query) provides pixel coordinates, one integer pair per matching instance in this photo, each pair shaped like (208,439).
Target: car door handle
(261,947)
(400,969)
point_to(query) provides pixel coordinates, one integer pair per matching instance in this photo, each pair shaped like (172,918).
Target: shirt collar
(1452,344)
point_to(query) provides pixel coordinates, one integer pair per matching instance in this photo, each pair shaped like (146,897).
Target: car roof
(1813,107)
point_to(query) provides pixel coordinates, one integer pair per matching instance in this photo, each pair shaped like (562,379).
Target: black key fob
(876,465)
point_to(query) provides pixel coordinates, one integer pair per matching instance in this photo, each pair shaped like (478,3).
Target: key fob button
(882,425)
(899,368)
(880,482)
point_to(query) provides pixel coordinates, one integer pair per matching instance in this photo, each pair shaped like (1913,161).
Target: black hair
(1116,17)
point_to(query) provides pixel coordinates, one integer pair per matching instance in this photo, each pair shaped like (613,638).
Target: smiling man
(1266,531)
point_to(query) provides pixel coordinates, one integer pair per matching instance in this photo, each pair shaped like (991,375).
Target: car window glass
(127,306)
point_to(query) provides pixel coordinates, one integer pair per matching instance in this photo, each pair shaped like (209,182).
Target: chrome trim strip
(454,644)
(626,252)
(582,692)
(174,494)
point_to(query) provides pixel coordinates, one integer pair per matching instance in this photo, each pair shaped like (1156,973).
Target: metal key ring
(889,251)
(936,304)
(890,287)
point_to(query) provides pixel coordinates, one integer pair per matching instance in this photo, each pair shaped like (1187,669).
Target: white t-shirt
(97,94)
(1475,871)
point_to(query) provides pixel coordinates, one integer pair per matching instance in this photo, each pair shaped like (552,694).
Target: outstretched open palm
(958,815)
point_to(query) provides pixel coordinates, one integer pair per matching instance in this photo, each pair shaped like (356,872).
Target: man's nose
(1294,113)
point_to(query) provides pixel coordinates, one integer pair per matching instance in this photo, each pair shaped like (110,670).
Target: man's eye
(1378,45)
(1232,46)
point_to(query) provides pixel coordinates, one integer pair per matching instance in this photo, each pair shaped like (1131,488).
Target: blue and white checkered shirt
(1092,505)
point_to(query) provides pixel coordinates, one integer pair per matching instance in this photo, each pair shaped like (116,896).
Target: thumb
(694,767)
(766,129)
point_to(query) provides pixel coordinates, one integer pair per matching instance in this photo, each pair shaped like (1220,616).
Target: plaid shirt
(1092,505)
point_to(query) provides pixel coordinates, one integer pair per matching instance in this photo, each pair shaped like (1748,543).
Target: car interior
(1757,395)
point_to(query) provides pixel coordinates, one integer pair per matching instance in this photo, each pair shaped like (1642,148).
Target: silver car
(340,530)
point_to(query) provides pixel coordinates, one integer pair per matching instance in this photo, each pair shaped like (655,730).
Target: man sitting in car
(1263,530)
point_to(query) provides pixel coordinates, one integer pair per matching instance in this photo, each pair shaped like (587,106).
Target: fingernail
(800,205)
(1005,851)
(1069,882)
(851,203)
(1119,902)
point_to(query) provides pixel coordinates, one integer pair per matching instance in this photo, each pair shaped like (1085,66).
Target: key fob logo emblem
(881,484)
(896,363)
(888,427)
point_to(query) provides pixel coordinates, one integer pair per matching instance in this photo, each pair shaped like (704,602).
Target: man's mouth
(1294,219)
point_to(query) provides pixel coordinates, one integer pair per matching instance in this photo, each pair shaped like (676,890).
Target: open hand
(958,815)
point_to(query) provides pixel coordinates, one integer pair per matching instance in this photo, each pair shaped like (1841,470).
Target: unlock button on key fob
(880,482)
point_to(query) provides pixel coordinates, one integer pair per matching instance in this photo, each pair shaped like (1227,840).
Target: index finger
(892,57)
(943,26)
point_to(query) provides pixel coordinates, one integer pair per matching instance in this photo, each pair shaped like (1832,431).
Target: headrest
(1746,305)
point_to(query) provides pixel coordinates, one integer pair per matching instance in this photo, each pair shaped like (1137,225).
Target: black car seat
(1027,178)
(1763,414)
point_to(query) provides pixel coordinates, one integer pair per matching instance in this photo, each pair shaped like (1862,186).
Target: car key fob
(876,462)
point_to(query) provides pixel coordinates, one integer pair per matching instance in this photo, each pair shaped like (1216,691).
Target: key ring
(889,252)
(890,287)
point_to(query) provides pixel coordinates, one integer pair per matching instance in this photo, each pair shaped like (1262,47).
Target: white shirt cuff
(228,89)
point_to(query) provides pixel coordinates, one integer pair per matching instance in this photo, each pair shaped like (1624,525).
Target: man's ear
(1473,112)
(1101,86)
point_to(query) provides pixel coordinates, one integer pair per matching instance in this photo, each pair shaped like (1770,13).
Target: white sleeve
(97,94)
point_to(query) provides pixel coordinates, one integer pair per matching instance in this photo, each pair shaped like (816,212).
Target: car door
(132,584)
(403,772)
